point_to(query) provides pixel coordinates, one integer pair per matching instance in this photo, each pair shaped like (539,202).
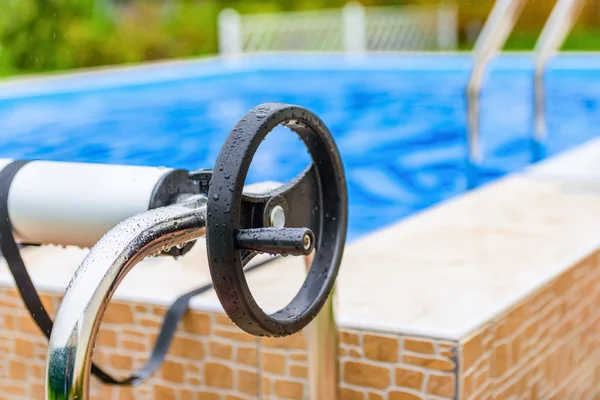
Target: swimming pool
(399,121)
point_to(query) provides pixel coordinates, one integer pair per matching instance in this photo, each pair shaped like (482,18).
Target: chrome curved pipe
(91,288)
(496,30)
(555,31)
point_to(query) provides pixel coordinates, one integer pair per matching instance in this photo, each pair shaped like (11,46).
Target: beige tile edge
(520,296)
(574,167)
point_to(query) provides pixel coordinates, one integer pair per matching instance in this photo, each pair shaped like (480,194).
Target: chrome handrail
(89,292)
(497,27)
(557,27)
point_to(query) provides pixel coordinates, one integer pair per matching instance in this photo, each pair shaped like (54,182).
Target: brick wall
(546,347)
(211,359)
(377,366)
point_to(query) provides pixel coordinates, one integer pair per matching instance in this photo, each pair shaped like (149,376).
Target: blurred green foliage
(48,35)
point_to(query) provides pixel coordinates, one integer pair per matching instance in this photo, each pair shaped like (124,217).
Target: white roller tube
(76,203)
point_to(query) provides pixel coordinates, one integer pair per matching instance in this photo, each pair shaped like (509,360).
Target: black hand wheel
(313,205)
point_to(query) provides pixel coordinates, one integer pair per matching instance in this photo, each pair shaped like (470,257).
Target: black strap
(32,300)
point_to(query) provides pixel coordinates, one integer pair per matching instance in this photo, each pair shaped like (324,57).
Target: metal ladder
(496,30)
(559,24)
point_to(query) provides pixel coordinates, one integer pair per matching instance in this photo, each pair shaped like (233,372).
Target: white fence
(354,29)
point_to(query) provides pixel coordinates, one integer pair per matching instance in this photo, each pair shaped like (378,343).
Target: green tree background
(51,35)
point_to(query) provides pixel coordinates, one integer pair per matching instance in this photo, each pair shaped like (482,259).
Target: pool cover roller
(134,212)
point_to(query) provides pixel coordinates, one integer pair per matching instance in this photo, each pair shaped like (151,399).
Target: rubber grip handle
(285,241)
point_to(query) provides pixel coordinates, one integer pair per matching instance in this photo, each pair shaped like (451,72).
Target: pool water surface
(399,121)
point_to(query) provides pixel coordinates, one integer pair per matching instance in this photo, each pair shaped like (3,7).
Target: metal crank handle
(309,211)
(91,288)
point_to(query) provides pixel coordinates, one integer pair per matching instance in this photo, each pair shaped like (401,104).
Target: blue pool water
(399,121)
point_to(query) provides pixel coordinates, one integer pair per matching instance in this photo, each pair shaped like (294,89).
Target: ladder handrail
(497,27)
(557,27)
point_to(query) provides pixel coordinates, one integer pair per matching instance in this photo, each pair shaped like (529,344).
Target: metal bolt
(307,242)
(277,217)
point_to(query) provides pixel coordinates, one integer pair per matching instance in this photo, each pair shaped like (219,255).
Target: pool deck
(442,273)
